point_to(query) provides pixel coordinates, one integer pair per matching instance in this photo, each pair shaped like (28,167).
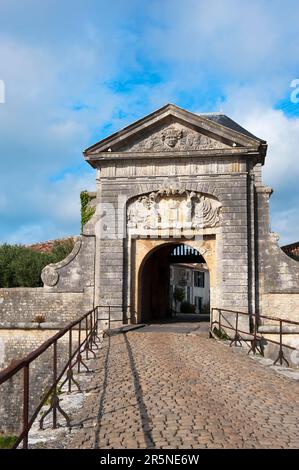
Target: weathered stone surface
(189,392)
(167,159)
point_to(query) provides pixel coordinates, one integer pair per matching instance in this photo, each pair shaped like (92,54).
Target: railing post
(254,335)
(109,321)
(70,361)
(254,346)
(281,356)
(219,321)
(86,339)
(90,331)
(54,398)
(237,337)
(25,405)
(97,319)
(79,345)
(280,343)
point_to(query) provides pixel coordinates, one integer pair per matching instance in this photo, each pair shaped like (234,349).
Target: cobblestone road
(171,390)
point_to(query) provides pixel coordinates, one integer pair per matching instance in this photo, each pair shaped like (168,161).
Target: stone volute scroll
(173,208)
(50,273)
(49,276)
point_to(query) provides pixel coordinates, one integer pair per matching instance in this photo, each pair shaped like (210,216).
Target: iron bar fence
(225,320)
(78,351)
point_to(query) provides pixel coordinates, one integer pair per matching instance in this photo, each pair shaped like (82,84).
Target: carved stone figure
(171,136)
(205,215)
(138,214)
(172,207)
(174,137)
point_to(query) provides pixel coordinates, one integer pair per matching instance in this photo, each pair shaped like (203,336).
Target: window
(199,279)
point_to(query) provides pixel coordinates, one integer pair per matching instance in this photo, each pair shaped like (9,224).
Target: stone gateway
(172,178)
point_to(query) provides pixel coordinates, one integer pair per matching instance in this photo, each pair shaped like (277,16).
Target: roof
(291,247)
(229,123)
(217,126)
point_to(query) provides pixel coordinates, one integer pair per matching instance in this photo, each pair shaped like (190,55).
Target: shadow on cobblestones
(145,420)
(101,406)
(165,390)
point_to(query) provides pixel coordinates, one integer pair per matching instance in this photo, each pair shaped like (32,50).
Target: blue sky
(75,71)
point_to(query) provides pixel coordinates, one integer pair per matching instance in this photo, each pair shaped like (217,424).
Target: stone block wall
(230,189)
(68,294)
(278,273)
(25,304)
(281,305)
(15,344)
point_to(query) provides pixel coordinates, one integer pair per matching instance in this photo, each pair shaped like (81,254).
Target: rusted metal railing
(252,337)
(87,328)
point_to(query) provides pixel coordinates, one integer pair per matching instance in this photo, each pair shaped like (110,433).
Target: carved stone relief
(50,273)
(175,137)
(49,276)
(173,208)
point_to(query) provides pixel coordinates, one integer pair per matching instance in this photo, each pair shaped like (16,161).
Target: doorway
(173,283)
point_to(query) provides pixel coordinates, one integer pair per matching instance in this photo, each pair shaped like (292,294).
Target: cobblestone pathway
(171,390)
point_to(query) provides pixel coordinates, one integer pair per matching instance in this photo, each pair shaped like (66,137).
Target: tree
(20,266)
(178,295)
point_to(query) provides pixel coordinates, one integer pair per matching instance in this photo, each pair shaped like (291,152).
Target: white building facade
(194,280)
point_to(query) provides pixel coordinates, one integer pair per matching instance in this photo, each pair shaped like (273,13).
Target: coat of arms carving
(173,208)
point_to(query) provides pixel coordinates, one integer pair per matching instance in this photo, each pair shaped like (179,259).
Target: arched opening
(174,279)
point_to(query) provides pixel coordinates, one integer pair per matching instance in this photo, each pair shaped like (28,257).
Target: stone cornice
(96,159)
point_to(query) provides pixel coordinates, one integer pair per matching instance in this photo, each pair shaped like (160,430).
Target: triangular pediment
(172,129)
(168,136)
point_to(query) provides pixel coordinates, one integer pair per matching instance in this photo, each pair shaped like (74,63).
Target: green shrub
(220,334)
(86,210)
(6,442)
(186,307)
(20,266)
(205,309)
(178,294)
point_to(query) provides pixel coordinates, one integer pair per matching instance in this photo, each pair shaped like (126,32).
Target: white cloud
(286,223)
(235,55)
(281,169)
(282,134)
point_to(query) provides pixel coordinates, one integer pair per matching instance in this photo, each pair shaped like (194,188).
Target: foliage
(186,307)
(47,401)
(178,294)
(39,318)
(6,442)
(86,211)
(206,309)
(220,333)
(20,266)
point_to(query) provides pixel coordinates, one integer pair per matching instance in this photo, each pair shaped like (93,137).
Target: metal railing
(253,337)
(79,350)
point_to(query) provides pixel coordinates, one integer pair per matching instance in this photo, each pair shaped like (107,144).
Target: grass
(48,400)
(6,442)
(220,334)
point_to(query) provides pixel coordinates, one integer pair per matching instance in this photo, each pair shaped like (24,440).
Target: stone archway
(150,256)
(170,216)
